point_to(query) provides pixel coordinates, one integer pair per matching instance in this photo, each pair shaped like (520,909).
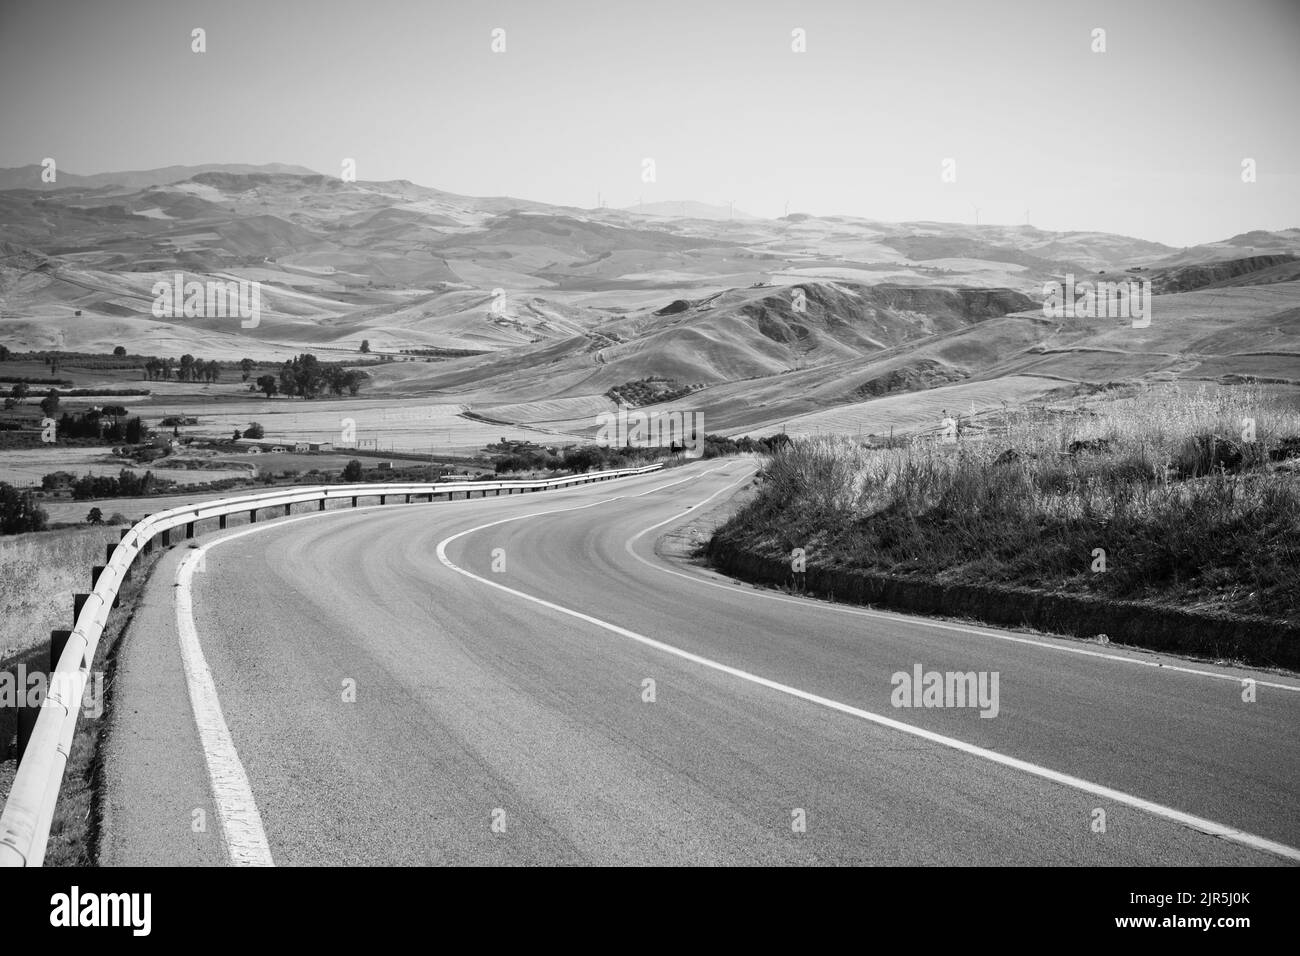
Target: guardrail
(29,811)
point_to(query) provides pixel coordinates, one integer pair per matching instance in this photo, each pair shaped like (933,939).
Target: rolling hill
(768,321)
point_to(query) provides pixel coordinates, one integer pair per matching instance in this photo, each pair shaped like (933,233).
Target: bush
(126,485)
(352,471)
(19,512)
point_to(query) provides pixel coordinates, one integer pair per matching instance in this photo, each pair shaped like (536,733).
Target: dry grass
(1186,504)
(39,573)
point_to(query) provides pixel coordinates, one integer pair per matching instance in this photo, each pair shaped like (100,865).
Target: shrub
(19,512)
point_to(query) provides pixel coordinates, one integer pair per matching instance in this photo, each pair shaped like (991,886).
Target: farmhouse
(255,446)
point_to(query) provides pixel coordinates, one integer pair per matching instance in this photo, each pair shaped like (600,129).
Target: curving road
(502,651)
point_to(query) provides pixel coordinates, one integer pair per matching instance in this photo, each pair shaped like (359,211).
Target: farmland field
(27,466)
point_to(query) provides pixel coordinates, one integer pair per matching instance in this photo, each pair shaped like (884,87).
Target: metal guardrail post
(58,641)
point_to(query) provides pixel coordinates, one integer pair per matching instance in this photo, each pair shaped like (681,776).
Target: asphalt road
(500,651)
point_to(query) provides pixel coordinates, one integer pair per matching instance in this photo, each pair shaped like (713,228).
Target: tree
(119,351)
(212,371)
(254,430)
(50,403)
(187,367)
(353,379)
(365,345)
(268,384)
(245,368)
(352,471)
(304,376)
(95,516)
(135,430)
(4,353)
(238,435)
(18,511)
(19,392)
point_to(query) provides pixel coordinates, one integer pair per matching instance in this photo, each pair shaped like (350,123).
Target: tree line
(305,376)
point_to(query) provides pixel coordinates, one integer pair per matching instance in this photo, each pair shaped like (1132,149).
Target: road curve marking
(921,621)
(240,820)
(241,824)
(1200,824)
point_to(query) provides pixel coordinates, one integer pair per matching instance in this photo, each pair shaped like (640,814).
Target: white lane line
(707,471)
(237,813)
(1200,824)
(241,824)
(1064,648)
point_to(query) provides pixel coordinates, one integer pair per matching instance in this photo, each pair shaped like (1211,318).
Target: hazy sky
(1145,139)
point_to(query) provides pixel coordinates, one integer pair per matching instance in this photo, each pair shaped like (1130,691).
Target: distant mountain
(29,177)
(771,317)
(1245,245)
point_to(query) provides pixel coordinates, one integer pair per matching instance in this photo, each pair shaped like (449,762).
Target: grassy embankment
(1190,510)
